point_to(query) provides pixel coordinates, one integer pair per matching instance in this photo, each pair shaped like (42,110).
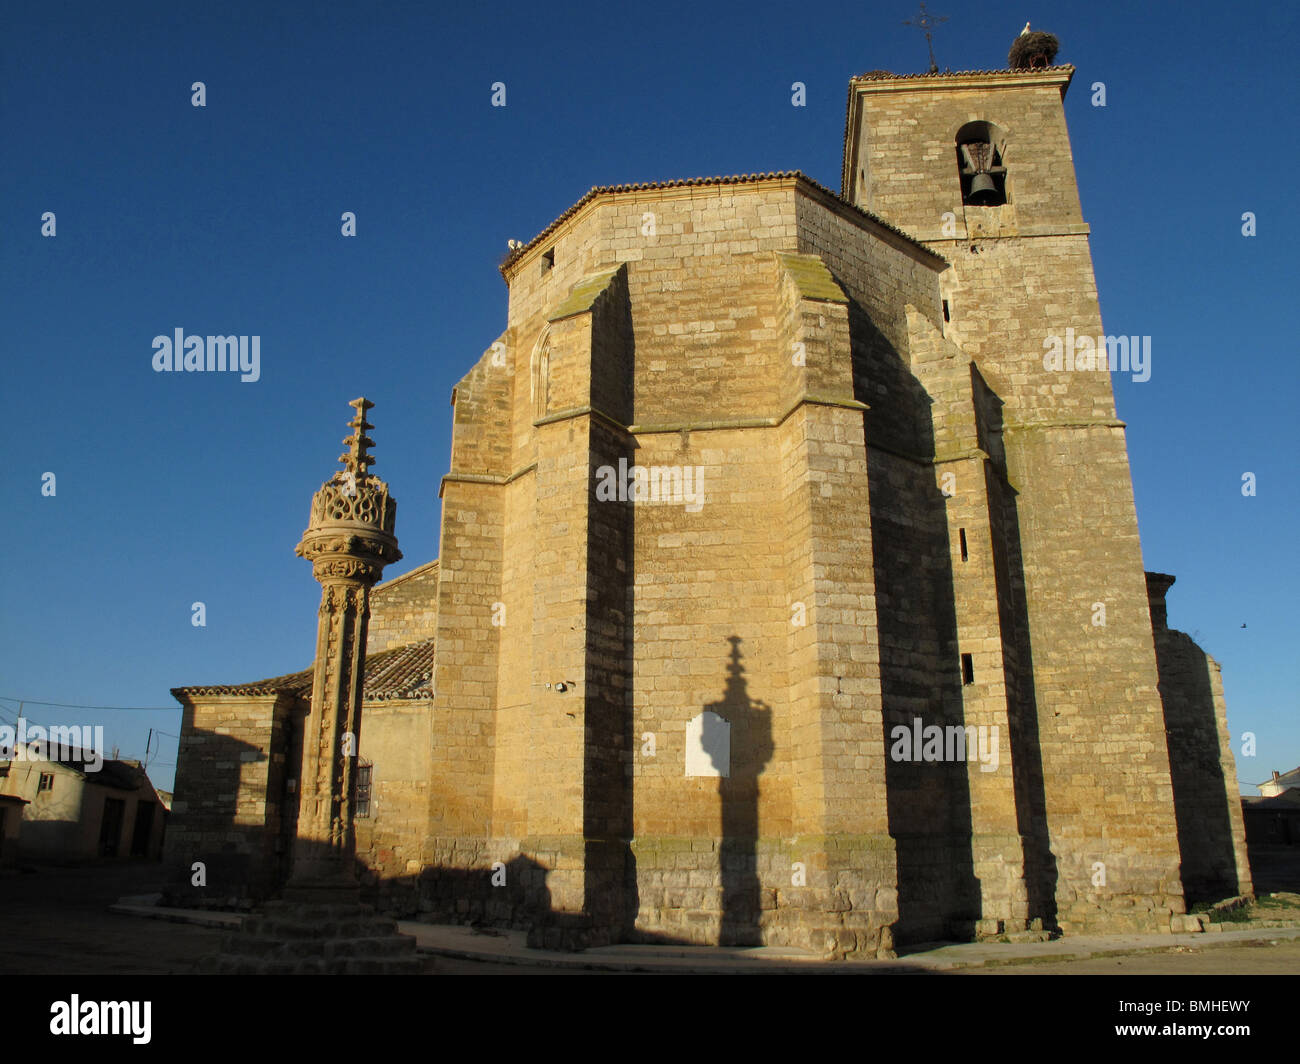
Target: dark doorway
(110,828)
(143,829)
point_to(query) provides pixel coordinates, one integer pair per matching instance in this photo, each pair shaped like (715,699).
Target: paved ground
(1282,959)
(1264,959)
(58,923)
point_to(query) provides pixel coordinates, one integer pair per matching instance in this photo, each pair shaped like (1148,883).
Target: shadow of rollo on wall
(739,754)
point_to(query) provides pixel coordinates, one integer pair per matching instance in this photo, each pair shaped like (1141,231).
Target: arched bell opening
(981,164)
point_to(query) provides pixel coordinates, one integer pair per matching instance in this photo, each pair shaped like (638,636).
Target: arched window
(541,373)
(981,163)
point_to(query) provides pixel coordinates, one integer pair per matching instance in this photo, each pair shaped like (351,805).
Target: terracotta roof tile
(400,672)
(885,75)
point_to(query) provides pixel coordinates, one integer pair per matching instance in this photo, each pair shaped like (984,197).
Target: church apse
(755,475)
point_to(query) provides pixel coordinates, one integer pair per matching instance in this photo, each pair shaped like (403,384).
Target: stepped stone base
(288,938)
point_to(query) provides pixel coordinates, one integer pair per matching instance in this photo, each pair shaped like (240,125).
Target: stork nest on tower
(1033,51)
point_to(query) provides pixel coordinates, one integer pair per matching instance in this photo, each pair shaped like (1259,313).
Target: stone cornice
(962,455)
(812,399)
(1063,423)
(483,478)
(723,424)
(1068,229)
(964,79)
(709,424)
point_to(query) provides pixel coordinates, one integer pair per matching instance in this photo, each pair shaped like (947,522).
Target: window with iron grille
(364,768)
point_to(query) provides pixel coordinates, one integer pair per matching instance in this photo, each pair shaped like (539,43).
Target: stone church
(789,592)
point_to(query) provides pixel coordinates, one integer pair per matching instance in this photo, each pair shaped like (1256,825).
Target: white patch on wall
(708,746)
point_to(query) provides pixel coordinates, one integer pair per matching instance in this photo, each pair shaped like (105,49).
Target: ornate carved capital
(349,535)
(348,569)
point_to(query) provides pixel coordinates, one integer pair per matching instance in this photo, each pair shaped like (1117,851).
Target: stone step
(266,946)
(290,928)
(289,938)
(223,964)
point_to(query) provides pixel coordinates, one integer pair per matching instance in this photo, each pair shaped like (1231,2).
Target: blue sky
(176,488)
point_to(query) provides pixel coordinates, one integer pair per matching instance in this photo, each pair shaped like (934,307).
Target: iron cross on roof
(926,22)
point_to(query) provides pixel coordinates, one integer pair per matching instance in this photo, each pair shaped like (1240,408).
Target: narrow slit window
(946,315)
(961,535)
(967,670)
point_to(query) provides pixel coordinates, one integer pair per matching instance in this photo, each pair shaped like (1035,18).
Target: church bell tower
(978,167)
